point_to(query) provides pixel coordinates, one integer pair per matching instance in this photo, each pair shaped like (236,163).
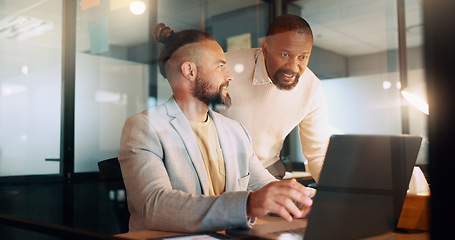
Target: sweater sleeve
(314,135)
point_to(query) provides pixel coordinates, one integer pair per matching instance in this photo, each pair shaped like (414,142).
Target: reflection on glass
(30,61)
(355,54)
(416,97)
(112,75)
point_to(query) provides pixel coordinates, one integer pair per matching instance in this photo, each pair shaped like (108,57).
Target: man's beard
(201,91)
(286,87)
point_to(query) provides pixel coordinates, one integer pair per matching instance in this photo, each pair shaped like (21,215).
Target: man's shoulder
(228,123)
(152,114)
(308,78)
(309,73)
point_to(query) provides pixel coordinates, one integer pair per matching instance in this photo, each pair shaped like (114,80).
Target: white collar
(260,72)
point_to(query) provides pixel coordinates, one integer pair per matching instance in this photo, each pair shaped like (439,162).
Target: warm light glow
(24,69)
(386,84)
(137,7)
(10,89)
(416,101)
(238,68)
(110,97)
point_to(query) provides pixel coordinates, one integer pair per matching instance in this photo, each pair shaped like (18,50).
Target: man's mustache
(288,71)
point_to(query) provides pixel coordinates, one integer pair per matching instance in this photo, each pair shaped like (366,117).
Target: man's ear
(189,70)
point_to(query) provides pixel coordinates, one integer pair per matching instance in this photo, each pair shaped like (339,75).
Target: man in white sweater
(273,91)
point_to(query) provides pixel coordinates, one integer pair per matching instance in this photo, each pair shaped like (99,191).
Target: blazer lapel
(231,165)
(183,128)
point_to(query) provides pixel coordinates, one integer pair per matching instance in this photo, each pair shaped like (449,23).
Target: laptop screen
(360,192)
(363,185)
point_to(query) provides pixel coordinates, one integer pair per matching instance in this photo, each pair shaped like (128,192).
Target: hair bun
(161,33)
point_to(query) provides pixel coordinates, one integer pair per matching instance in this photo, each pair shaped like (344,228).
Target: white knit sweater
(269,114)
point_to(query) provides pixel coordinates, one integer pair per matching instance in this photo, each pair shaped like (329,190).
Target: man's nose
(293,65)
(229,75)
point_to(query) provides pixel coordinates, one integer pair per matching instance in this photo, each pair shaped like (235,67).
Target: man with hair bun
(273,91)
(187,168)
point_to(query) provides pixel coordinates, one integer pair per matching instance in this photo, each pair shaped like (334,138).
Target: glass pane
(112,75)
(356,51)
(223,20)
(418,110)
(113,63)
(30,86)
(355,54)
(179,17)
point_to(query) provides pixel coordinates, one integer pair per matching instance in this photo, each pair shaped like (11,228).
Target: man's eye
(303,57)
(285,55)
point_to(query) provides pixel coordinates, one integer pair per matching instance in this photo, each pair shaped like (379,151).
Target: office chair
(111,176)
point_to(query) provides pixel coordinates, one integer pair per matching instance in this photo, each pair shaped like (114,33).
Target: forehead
(290,41)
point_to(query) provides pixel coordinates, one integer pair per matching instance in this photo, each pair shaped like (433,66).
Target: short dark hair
(173,41)
(287,23)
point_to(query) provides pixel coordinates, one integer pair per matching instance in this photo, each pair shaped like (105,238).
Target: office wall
(108,90)
(29,108)
(253,20)
(327,65)
(359,104)
(383,62)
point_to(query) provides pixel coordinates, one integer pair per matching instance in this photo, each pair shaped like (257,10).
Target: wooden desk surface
(147,234)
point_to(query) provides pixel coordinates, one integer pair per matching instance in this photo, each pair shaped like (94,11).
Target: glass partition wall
(116,71)
(30,60)
(112,75)
(356,54)
(30,107)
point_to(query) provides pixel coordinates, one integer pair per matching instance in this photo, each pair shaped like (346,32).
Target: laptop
(360,193)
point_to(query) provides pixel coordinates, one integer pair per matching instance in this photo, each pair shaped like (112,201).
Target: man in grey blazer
(189,169)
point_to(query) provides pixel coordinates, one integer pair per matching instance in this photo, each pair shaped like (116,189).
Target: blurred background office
(71,72)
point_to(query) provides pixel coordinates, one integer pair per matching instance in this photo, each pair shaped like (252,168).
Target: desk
(146,234)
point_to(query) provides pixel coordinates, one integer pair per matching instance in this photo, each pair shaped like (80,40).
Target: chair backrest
(111,175)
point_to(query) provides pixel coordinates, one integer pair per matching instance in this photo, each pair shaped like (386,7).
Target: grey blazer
(166,180)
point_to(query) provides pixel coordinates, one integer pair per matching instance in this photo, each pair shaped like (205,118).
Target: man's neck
(193,109)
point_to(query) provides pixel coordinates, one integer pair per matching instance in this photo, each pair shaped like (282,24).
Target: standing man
(273,91)
(189,169)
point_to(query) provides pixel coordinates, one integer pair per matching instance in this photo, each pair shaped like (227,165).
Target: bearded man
(187,168)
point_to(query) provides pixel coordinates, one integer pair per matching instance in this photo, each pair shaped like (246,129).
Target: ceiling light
(386,84)
(24,70)
(137,7)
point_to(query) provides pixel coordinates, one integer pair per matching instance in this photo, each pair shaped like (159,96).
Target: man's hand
(277,197)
